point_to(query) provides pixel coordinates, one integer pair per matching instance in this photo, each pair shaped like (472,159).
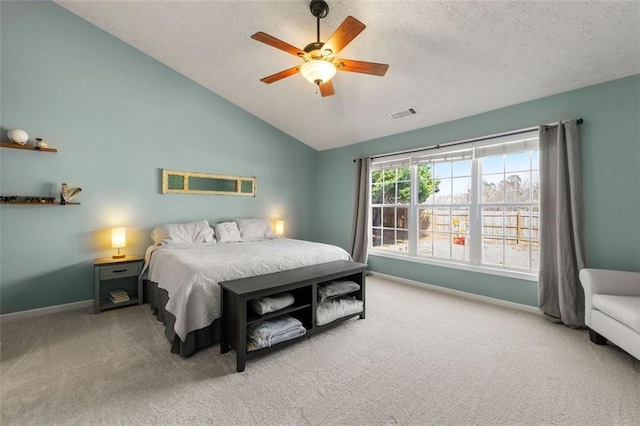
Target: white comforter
(191,272)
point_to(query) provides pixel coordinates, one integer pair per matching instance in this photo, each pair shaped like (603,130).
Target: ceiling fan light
(317,71)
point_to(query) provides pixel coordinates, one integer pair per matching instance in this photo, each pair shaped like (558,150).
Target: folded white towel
(267,333)
(264,305)
(336,288)
(333,309)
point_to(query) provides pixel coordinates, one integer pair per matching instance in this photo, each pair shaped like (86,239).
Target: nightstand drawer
(119,271)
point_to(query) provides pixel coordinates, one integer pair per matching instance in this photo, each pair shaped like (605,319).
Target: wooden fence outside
(515,224)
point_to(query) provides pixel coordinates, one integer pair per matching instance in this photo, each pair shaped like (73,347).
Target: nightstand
(117,274)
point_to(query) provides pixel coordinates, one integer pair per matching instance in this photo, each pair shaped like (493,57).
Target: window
(475,204)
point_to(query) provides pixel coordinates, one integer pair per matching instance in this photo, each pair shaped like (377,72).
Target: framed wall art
(178,182)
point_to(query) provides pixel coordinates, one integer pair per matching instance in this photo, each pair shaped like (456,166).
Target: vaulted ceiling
(447,59)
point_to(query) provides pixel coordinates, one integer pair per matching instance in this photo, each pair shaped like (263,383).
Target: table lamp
(119,240)
(280,227)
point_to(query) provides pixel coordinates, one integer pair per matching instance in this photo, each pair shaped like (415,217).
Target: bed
(182,281)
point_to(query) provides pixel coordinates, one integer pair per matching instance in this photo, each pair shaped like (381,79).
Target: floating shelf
(26,147)
(31,200)
(21,203)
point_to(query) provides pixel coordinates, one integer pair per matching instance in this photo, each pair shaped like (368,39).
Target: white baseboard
(459,293)
(44,311)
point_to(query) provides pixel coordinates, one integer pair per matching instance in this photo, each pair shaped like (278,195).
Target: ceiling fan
(320,61)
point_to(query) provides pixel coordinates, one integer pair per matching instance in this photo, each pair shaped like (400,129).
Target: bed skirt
(196,340)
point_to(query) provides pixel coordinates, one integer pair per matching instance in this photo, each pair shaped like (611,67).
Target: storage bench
(302,283)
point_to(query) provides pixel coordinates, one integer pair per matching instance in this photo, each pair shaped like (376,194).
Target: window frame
(525,141)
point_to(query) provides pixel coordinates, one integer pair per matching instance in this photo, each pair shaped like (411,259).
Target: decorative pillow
(227,232)
(255,229)
(193,232)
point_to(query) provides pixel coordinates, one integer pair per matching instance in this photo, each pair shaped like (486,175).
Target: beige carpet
(420,357)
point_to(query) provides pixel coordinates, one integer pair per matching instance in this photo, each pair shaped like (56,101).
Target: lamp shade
(280,227)
(318,71)
(118,237)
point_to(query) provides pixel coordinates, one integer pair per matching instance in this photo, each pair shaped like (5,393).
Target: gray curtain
(561,243)
(360,239)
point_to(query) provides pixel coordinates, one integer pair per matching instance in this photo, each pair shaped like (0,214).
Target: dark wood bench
(302,283)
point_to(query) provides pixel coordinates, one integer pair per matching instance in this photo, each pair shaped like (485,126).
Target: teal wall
(117,117)
(611,174)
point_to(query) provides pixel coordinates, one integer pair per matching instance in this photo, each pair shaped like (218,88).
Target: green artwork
(177,182)
(197,183)
(246,187)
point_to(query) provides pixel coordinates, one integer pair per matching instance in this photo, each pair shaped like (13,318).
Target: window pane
(402,218)
(376,193)
(492,250)
(377,178)
(492,221)
(442,245)
(389,217)
(525,222)
(404,173)
(424,221)
(389,193)
(517,188)
(442,219)
(492,188)
(535,160)
(513,222)
(402,241)
(404,192)
(460,220)
(425,244)
(461,190)
(427,191)
(442,170)
(425,172)
(516,255)
(376,216)
(518,244)
(389,239)
(462,168)
(518,162)
(535,254)
(535,223)
(376,237)
(443,196)
(493,164)
(460,247)
(460,237)
(535,186)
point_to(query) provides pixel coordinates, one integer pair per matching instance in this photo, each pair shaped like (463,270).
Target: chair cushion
(625,309)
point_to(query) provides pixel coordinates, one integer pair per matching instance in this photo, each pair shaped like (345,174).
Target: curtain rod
(484,138)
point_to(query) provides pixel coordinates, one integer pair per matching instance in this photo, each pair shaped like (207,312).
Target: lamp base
(119,256)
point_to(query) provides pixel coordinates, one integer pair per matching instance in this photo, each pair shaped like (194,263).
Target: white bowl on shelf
(18,136)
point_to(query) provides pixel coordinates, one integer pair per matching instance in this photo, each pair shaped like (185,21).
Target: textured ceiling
(448,59)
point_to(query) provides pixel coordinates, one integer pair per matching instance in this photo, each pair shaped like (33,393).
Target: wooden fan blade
(326,89)
(280,75)
(277,43)
(361,67)
(346,32)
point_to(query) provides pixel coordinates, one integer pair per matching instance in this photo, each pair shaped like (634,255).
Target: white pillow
(227,232)
(255,229)
(193,232)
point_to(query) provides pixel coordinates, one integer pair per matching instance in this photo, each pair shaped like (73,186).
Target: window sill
(527,276)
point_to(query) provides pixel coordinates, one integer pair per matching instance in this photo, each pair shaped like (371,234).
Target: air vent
(399,115)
